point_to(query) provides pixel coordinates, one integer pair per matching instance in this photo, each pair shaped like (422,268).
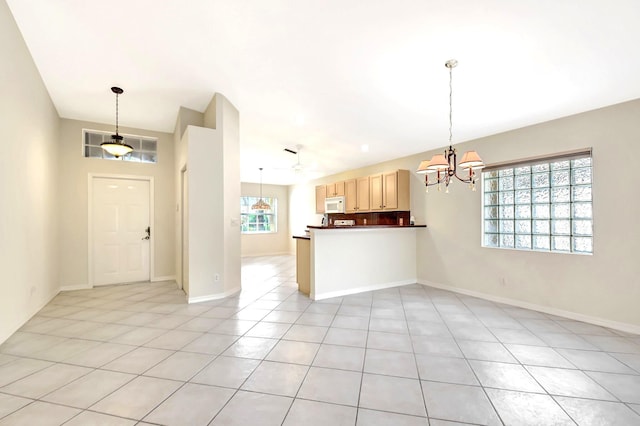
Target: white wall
(601,288)
(269,244)
(73,197)
(228,119)
(28,183)
(205,214)
(212,158)
(186,117)
(348,261)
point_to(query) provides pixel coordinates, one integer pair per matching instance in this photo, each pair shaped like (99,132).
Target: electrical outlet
(216,277)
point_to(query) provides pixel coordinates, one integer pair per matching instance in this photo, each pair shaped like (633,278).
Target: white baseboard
(164,278)
(279,253)
(5,334)
(88,286)
(622,326)
(75,287)
(210,297)
(328,295)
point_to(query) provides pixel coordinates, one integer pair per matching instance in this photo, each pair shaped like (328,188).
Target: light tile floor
(413,355)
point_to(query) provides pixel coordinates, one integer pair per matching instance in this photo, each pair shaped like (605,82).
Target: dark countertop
(364,226)
(302,237)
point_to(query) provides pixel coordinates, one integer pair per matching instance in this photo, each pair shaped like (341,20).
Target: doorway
(120,233)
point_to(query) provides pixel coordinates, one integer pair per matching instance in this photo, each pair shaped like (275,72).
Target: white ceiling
(332,75)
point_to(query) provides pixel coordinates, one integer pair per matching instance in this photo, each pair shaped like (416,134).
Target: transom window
(145,148)
(540,205)
(258,221)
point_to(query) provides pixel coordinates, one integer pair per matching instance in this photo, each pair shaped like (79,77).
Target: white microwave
(334,205)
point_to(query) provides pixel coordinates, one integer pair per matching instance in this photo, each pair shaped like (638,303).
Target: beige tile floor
(413,355)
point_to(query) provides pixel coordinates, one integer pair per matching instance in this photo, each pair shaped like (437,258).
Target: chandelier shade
(423,167)
(471,159)
(437,162)
(116,145)
(445,165)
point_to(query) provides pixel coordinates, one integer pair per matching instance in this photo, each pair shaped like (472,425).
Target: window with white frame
(543,204)
(258,221)
(145,148)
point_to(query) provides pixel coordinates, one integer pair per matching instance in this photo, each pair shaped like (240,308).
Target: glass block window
(543,206)
(258,221)
(145,148)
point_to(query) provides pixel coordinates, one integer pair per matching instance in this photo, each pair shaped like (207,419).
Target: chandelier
(445,165)
(261,204)
(116,145)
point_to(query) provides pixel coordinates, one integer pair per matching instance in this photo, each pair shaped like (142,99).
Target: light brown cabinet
(335,189)
(351,196)
(321,194)
(384,191)
(363,194)
(390,191)
(356,194)
(375,192)
(303,262)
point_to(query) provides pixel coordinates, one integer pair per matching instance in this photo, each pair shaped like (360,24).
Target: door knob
(148,231)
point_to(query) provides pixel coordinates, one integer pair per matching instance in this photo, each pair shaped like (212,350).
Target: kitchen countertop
(365,226)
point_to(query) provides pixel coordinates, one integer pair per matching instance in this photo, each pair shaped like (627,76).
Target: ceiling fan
(297,167)
(301,171)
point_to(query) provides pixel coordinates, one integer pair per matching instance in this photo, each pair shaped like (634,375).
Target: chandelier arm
(464,180)
(467,180)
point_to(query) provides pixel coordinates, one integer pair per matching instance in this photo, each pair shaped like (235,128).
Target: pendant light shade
(116,145)
(261,204)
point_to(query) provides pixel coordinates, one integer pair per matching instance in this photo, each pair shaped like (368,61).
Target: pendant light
(261,204)
(445,165)
(116,145)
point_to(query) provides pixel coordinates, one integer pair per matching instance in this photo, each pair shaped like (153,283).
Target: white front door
(120,218)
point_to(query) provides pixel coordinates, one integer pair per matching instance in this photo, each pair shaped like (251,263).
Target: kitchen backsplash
(377,218)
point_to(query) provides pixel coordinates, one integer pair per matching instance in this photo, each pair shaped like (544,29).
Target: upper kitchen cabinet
(356,193)
(321,194)
(384,191)
(335,189)
(390,191)
(364,196)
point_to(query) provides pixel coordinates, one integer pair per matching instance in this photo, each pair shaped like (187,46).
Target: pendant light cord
(117,94)
(450,105)
(260,183)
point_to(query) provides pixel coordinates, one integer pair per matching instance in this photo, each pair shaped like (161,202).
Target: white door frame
(93,176)
(184,182)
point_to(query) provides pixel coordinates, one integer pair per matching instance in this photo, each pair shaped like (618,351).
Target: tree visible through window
(539,205)
(258,221)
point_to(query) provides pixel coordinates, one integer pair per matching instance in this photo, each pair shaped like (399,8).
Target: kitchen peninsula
(353,259)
